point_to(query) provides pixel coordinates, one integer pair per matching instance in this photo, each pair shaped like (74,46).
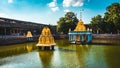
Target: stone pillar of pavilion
(46,40)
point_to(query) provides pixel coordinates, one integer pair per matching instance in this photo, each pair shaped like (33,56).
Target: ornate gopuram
(46,40)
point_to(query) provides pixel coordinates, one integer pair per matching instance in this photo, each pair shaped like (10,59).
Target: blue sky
(49,11)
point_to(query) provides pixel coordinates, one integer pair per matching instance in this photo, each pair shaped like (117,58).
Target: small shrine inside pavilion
(29,36)
(46,40)
(80,34)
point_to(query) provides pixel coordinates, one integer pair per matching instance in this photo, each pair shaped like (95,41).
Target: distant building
(17,27)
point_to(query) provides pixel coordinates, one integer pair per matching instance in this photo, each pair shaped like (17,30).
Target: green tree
(97,23)
(112,17)
(110,22)
(67,22)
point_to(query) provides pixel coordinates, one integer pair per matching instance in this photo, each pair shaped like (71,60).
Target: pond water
(65,55)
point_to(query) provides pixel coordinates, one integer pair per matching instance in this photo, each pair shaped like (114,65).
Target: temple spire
(81,13)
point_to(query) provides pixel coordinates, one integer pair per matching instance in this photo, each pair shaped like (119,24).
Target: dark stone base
(46,47)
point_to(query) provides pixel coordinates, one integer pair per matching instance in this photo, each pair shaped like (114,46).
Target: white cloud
(66,10)
(53,6)
(10,1)
(74,3)
(55,9)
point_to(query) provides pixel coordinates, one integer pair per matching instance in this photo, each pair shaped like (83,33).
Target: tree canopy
(111,20)
(67,22)
(97,22)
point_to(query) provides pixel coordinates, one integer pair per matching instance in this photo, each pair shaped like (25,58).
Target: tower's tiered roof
(29,34)
(46,38)
(80,26)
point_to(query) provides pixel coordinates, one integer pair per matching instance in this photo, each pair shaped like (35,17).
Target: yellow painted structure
(80,26)
(46,38)
(29,34)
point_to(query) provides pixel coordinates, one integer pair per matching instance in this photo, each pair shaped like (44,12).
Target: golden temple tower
(80,26)
(46,39)
(29,34)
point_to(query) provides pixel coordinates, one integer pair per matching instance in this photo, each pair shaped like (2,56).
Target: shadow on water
(46,58)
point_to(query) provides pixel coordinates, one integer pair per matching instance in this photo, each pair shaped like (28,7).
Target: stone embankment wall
(106,36)
(106,39)
(5,40)
(97,38)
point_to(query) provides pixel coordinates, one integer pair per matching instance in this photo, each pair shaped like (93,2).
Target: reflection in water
(46,57)
(62,42)
(30,47)
(65,55)
(81,53)
(112,56)
(110,41)
(12,50)
(16,49)
(95,57)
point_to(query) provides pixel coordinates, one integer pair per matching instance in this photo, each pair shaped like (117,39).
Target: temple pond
(65,55)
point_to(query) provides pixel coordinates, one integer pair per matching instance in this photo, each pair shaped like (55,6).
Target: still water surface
(65,55)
